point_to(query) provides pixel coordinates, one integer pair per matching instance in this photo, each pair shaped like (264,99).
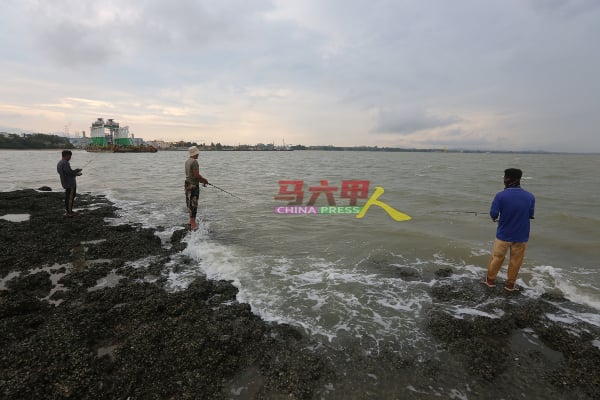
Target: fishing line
(223,190)
(476,213)
(90,161)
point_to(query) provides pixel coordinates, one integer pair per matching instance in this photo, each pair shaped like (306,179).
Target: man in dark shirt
(512,208)
(68,182)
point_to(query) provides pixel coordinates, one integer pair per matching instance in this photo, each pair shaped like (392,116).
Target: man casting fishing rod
(192,185)
(68,181)
(512,208)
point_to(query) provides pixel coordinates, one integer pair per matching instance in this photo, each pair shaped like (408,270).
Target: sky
(462,74)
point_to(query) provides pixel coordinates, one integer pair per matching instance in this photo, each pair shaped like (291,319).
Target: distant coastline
(414,150)
(49,141)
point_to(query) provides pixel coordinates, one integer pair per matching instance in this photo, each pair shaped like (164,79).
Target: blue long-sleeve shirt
(514,207)
(67,175)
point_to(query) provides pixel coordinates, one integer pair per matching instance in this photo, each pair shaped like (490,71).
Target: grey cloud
(405,123)
(457,140)
(565,8)
(72,44)
(403,71)
(90,33)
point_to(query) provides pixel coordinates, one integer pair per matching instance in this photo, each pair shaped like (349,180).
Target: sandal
(511,287)
(488,282)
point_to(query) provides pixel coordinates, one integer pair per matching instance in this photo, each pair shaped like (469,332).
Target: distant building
(80,142)
(159,144)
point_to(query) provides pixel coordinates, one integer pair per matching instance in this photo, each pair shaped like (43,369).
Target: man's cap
(513,173)
(193,151)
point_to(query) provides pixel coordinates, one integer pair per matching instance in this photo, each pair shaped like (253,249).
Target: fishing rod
(476,213)
(90,161)
(223,190)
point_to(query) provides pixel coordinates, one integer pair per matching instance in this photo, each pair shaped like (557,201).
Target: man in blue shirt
(512,208)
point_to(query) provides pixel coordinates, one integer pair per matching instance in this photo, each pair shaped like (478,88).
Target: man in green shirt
(192,185)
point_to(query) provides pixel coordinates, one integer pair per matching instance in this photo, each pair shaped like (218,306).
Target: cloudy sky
(469,74)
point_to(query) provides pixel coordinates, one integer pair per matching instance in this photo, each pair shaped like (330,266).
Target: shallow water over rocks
(132,338)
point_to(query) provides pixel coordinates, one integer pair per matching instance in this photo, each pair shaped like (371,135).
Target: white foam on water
(596,343)
(401,304)
(142,262)
(560,318)
(55,276)
(146,214)
(415,390)
(97,241)
(537,280)
(590,318)
(474,271)
(110,280)
(459,312)
(16,217)
(480,252)
(315,295)
(238,391)
(547,278)
(8,277)
(457,394)
(326,298)
(166,235)
(217,261)
(333,298)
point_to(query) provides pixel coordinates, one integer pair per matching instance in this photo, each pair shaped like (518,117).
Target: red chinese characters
(294,195)
(291,191)
(324,188)
(354,190)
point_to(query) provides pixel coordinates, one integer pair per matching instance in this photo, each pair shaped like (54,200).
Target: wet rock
(133,339)
(16,304)
(443,272)
(176,242)
(37,284)
(481,327)
(129,339)
(406,273)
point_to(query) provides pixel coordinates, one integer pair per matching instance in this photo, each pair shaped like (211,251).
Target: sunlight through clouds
(463,74)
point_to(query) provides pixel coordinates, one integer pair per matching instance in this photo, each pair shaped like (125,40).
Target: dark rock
(37,284)
(484,340)
(130,339)
(443,272)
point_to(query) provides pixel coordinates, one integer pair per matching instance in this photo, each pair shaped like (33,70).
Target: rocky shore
(64,335)
(84,314)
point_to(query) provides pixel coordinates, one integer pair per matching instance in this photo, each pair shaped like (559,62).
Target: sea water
(338,277)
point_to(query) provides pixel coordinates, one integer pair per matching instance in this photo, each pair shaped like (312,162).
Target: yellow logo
(373,201)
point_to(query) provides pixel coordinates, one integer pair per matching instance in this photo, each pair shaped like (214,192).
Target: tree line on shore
(33,141)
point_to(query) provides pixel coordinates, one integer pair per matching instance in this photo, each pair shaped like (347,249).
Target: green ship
(109,137)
